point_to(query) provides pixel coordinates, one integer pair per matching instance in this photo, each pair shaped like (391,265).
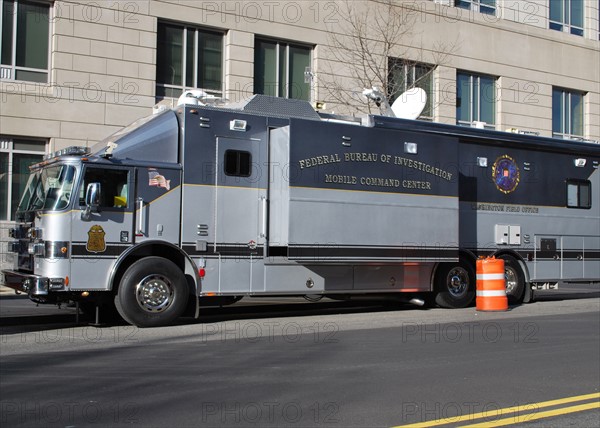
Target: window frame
(580,185)
(9,71)
(181,88)
(566,113)
(287,85)
(7,144)
(477,6)
(475,115)
(566,23)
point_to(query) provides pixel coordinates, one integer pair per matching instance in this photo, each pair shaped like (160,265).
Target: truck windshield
(48,189)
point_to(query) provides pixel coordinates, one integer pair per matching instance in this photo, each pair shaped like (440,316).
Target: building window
(188,58)
(484,6)
(24,40)
(279,69)
(567,15)
(475,99)
(404,75)
(567,114)
(16,155)
(579,194)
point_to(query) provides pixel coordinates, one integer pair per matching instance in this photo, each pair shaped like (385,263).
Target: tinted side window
(113,184)
(238,163)
(579,194)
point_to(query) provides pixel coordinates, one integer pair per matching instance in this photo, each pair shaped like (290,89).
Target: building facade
(74,71)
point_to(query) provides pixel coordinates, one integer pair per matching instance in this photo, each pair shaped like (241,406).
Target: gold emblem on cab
(96,242)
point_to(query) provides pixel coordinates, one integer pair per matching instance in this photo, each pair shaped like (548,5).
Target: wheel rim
(457,281)
(154,293)
(511,279)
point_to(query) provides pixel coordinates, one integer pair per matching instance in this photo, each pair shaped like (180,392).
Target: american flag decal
(157,180)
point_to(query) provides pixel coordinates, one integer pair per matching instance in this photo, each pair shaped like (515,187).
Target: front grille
(24,259)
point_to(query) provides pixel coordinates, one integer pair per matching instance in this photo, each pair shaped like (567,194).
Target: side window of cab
(114,187)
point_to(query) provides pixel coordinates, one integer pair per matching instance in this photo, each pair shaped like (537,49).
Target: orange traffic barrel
(491,285)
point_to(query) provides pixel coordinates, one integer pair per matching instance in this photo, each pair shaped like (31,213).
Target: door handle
(141,225)
(263,233)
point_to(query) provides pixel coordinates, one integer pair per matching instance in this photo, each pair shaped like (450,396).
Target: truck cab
(85,210)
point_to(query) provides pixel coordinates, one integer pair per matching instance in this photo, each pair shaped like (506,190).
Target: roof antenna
(110,146)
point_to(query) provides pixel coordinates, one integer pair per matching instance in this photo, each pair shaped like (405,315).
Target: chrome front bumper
(33,285)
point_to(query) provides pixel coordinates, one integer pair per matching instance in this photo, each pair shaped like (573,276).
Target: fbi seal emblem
(506,174)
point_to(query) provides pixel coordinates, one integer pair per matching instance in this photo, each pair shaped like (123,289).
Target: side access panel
(344,193)
(331,279)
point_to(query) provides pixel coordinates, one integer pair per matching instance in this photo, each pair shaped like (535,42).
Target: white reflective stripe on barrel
(489,276)
(491,293)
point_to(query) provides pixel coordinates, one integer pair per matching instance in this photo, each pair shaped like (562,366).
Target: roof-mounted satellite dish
(410,104)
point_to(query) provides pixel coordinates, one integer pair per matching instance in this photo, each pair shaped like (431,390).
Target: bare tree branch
(361,47)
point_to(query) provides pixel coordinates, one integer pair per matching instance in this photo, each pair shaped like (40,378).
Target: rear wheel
(515,280)
(455,285)
(153,292)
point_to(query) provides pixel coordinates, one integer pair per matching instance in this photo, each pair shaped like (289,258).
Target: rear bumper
(33,285)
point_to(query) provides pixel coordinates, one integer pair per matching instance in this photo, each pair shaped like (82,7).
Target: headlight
(36,249)
(34,233)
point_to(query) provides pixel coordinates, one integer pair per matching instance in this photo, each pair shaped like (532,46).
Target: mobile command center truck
(269,197)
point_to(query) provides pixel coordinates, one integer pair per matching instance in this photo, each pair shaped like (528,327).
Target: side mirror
(93,196)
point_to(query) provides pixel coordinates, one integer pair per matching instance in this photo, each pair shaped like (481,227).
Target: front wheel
(153,292)
(454,285)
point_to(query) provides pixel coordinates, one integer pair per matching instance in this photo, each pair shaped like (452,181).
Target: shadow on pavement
(54,318)
(22,315)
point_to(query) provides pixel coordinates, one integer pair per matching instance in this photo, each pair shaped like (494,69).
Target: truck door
(240,220)
(99,239)
(157,204)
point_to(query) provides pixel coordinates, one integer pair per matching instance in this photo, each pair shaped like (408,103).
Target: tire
(515,280)
(455,285)
(153,292)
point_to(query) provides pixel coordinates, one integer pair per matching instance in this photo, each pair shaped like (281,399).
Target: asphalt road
(268,364)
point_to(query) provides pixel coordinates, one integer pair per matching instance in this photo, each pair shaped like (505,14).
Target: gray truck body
(270,198)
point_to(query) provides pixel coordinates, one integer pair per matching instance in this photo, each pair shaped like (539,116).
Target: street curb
(6,290)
